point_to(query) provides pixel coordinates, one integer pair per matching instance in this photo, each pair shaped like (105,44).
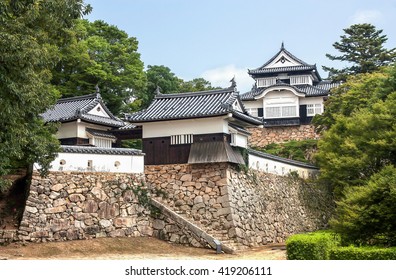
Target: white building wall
(98,162)
(279,168)
(189,126)
(311,100)
(241,140)
(67,130)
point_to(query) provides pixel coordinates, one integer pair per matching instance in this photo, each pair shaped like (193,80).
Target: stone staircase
(227,245)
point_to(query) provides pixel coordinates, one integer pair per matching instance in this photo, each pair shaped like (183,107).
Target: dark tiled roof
(97,150)
(322,89)
(100,133)
(240,129)
(192,105)
(128,126)
(210,152)
(286,69)
(281,159)
(69,109)
(288,54)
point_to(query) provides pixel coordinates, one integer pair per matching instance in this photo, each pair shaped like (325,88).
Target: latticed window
(314,109)
(182,139)
(280,112)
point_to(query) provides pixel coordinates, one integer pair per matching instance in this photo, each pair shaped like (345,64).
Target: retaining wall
(263,136)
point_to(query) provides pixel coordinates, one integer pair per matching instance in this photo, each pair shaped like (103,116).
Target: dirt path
(129,248)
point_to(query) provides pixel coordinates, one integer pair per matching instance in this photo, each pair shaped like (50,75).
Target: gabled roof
(100,133)
(73,108)
(193,105)
(301,66)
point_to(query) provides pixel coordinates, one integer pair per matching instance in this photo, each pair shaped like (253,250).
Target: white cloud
(221,77)
(366,16)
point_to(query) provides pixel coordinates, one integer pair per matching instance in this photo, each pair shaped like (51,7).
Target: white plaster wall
(190,126)
(253,104)
(279,168)
(100,163)
(101,112)
(81,126)
(311,100)
(241,141)
(67,130)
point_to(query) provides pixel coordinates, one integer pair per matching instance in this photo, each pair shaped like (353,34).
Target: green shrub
(367,214)
(362,253)
(298,150)
(311,246)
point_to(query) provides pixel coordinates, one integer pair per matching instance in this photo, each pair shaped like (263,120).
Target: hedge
(324,245)
(311,246)
(362,253)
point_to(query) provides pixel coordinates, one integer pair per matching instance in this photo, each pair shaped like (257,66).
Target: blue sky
(217,39)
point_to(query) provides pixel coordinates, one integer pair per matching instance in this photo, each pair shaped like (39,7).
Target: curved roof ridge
(283,49)
(194,93)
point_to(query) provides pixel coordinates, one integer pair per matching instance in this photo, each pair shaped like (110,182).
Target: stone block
(186,178)
(76,197)
(158,224)
(30,209)
(99,193)
(105,223)
(90,206)
(57,187)
(54,210)
(124,222)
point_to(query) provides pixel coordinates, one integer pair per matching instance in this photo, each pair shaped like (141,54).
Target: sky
(220,39)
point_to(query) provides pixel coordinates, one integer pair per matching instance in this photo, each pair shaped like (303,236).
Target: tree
(362,47)
(30,33)
(359,91)
(367,214)
(167,82)
(361,142)
(100,54)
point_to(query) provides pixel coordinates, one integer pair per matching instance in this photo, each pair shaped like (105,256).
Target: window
(102,142)
(181,139)
(266,82)
(280,112)
(314,109)
(253,112)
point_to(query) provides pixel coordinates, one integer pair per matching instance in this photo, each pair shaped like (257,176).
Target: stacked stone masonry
(263,136)
(240,208)
(72,205)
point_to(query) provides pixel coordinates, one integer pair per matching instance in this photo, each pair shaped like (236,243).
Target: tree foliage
(362,46)
(161,77)
(30,33)
(97,53)
(367,214)
(362,139)
(359,91)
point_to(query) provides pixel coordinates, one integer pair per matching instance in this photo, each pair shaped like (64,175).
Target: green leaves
(100,54)
(30,34)
(367,214)
(362,47)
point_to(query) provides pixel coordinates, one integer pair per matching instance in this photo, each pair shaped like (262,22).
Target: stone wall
(263,136)
(198,192)
(72,205)
(240,208)
(268,208)
(81,205)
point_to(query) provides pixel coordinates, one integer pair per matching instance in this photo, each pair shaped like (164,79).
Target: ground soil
(135,248)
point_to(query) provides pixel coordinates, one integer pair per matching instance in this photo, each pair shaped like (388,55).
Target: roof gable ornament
(157,90)
(282,46)
(233,83)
